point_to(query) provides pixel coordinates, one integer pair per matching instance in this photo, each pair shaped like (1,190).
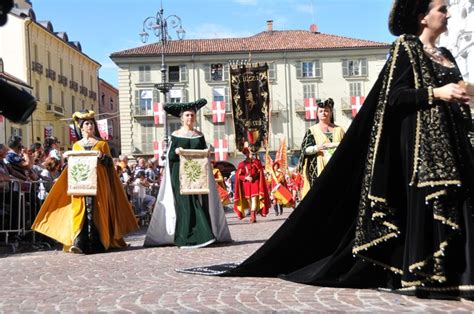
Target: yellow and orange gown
(62,216)
(221,188)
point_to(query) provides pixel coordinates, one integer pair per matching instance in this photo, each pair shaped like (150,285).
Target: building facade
(64,79)
(302,65)
(108,108)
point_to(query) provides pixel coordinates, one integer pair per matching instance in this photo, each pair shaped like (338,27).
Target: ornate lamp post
(158,25)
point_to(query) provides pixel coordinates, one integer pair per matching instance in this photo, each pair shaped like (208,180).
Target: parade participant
(319,143)
(393,209)
(188,221)
(221,186)
(250,190)
(88,224)
(279,183)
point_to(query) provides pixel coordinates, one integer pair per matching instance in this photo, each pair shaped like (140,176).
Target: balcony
(276,107)
(73,85)
(37,67)
(57,110)
(62,79)
(92,95)
(51,74)
(142,112)
(83,90)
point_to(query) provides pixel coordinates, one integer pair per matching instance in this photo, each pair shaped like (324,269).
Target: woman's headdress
(403,17)
(176,109)
(79,117)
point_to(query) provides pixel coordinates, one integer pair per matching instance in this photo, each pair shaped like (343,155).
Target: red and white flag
(310,108)
(221,149)
(356,104)
(103,129)
(159,148)
(218,111)
(48,131)
(158,113)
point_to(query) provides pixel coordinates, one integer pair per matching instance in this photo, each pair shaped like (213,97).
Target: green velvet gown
(193,226)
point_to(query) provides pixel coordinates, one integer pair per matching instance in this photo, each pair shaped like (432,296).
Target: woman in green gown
(188,221)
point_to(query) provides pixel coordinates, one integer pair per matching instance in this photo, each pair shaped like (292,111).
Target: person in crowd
(221,187)
(17,158)
(88,224)
(51,172)
(52,149)
(188,221)
(319,143)
(278,180)
(146,202)
(4,173)
(250,189)
(140,166)
(394,207)
(37,156)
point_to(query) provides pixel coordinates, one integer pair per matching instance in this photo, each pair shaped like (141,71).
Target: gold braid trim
(413,267)
(378,215)
(391,268)
(377,199)
(435,195)
(453,288)
(437,183)
(446,221)
(390,225)
(386,237)
(411,283)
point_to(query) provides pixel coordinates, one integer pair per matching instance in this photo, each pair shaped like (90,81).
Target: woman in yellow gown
(88,224)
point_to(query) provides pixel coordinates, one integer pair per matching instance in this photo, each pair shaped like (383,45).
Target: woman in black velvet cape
(393,208)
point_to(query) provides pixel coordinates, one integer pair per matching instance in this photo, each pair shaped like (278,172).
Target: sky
(107,26)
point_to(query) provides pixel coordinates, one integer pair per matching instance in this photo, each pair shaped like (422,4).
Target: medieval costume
(312,161)
(188,221)
(405,167)
(221,187)
(251,194)
(279,190)
(88,224)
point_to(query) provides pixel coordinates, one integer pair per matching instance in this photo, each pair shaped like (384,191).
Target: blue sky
(107,26)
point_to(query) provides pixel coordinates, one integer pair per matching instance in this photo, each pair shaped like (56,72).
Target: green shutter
(299,71)
(183,73)
(345,68)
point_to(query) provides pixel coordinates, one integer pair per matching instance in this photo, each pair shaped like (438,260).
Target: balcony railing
(73,85)
(92,95)
(83,90)
(55,109)
(51,74)
(62,79)
(37,67)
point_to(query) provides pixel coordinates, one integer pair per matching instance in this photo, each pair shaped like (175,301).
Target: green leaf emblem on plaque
(192,170)
(80,172)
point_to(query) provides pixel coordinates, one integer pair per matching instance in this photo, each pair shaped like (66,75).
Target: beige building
(302,64)
(108,108)
(64,79)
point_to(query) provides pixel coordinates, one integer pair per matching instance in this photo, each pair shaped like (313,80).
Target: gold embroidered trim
(435,195)
(390,225)
(439,252)
(437,183)
(386,237)
(411,283)
(446,221)
(453,288)
(377,199)
(391,268)
(378,215)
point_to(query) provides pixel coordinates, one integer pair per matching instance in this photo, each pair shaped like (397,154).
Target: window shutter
(207,72)
(227,99)
(225,74)
(140,74)
(147,73)
(305,91)
(137,100)
(156,95)
(272,71)
(317,68)
(183,73)
(345,68)
(363,65)
(299,71)
(184,95)
(313,91)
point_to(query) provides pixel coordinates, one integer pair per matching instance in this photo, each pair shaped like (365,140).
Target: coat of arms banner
(250,104)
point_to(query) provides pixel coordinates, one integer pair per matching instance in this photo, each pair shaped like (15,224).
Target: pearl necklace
(435,54)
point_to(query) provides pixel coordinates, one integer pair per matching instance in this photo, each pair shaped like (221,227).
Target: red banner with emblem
(221,149)
(218,112)
(310,108)
(158,113)
(356,104)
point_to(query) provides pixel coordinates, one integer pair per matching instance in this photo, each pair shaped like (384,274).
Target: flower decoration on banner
(356,104)
(103,128)
(218,111)
(158,113)
(221,149)
(159,148)
(310,108)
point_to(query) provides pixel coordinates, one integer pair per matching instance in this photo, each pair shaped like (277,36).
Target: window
(354,67)
(177,95)
(219,131)
(308,69)
(72,72)
(83,105)
(145,102)
(222,94)
(355,89)
(60,66)
(147,137)
(309,91)
(50,94)
(35,52)
(37,90)
(144,73)
(111,103)
(16,131)
(173,74)
(49,59)
(217,72)
(272,71)
(62,99)
(73,103)
(82,77)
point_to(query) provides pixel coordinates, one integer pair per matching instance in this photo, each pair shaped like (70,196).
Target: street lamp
(158,25)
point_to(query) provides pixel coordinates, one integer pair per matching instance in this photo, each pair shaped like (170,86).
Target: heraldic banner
(250,104)
(82,172)
(194,171)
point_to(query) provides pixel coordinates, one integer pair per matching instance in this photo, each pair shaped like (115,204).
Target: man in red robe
(250,188)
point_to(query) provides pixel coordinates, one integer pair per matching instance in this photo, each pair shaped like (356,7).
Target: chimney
(270,26)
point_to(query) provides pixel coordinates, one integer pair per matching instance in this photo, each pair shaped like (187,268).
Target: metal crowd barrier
(20,203)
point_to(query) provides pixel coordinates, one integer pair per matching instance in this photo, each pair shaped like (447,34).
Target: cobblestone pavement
(144,280)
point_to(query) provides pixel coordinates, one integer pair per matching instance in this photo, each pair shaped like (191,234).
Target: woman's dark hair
(404,15)
(51,163)
(48,144)
(328,103)
(35,146)
(15,141)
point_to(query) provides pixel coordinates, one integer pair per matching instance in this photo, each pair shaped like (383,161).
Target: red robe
(244,190)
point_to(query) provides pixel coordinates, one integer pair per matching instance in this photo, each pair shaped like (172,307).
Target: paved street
(144,280)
